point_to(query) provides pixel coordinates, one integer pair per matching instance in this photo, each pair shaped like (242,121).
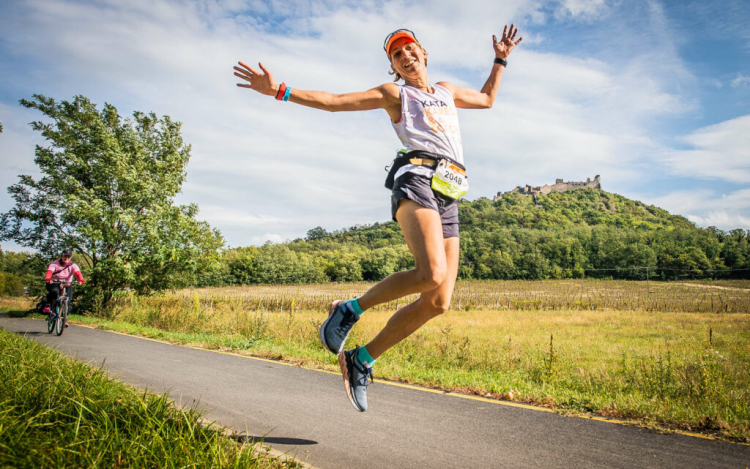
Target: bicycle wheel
(50,322)
(60,323)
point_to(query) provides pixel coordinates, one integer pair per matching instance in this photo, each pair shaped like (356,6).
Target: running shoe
(357,377)
(336,328)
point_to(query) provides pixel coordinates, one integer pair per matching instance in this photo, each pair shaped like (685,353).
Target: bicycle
(57,318)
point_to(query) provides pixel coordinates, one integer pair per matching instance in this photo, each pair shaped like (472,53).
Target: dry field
(727,296)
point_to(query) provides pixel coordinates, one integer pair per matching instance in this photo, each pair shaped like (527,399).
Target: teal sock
(364,357)
(354,302)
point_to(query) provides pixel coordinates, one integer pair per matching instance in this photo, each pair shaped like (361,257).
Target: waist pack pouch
(450,179)
(400,161)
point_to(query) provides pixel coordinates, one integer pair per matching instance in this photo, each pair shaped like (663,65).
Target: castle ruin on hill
(558,186)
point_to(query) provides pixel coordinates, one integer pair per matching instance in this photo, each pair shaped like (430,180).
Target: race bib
(450,180)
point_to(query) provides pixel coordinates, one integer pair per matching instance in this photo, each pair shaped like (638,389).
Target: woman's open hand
(507,43)
(261,82)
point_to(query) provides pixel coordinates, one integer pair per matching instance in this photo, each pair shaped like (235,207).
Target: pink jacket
(63,272)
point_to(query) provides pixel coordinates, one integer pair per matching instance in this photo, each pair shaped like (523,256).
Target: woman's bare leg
(423,232)
(430,304)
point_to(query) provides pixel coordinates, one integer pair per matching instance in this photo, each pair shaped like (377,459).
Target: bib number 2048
(450,180)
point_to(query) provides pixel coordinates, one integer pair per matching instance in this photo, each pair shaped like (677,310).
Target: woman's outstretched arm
(468,98)
(382,97)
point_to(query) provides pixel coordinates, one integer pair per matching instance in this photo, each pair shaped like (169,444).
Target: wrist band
(287,93)
(500,61)
(282,90)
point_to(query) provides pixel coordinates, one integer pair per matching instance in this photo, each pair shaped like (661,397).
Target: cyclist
(63,270)
(426,185)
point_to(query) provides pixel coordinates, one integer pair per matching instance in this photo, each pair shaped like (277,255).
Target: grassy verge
(688,371)
(57,412)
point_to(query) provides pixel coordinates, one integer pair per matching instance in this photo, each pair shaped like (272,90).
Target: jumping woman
(426,182)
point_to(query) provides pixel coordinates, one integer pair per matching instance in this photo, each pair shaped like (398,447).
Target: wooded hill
(579,233)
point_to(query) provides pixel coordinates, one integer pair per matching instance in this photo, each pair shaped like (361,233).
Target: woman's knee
(432,277)
(437,305)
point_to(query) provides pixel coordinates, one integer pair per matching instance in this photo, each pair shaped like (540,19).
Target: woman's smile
(408,63)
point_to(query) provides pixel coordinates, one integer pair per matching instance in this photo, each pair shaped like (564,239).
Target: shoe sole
(323,327)
(345,373)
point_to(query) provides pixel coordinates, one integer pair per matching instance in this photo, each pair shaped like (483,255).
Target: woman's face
(407,57)
(65,259)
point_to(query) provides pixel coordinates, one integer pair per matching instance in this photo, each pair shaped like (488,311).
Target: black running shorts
(416,187)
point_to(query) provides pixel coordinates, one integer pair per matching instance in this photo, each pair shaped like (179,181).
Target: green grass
(57,412)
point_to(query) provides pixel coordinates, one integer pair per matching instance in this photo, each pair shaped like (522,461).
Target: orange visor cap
(395,36)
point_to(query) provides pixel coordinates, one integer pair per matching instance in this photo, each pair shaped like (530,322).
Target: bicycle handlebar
(60,282)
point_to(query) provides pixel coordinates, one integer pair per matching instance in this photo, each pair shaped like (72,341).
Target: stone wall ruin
(558,186)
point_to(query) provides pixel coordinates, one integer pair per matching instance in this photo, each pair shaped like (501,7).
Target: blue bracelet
(287,93)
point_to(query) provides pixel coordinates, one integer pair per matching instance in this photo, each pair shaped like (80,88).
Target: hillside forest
(575,234)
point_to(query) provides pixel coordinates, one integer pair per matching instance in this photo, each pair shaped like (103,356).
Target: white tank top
(429,122)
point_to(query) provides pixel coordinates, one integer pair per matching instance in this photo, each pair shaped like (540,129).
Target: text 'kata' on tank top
(429,122)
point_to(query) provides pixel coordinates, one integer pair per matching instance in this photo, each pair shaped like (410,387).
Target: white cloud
(586,9)
(265,170)
(234,218)
(266,237)
(740,80)
(720,151)
(17,143)
(716,83)
(706,208)
(722,220)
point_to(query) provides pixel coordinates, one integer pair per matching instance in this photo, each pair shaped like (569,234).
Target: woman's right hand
(261,82)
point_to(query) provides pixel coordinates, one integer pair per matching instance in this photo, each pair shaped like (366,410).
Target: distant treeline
(582,233)
(21,273)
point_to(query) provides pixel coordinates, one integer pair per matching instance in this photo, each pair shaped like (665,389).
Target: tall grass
(624,295)
(662,366)
(56,412)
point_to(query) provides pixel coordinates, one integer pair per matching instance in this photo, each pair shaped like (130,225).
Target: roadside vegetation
(582,346)
(57,412)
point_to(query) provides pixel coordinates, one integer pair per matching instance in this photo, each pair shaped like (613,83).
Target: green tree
(496,265)
(317,233)
(279,264)
(533,265)
(22,273)
(242,264)
(107,190)
(344,267)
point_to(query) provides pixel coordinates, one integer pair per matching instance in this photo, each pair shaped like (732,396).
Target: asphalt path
(306,414)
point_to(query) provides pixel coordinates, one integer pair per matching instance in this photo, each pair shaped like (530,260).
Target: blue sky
(652,95)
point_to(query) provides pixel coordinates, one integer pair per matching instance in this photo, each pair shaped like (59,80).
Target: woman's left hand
(507,43)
